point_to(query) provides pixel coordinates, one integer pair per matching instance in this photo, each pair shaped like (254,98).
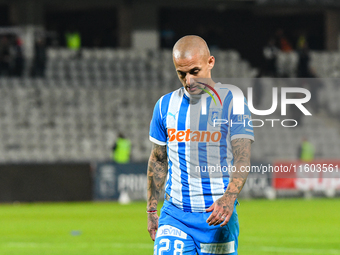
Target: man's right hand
(152,225)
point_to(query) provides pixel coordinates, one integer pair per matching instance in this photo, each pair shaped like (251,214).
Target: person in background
(304,70)
(270,52)
(40,58)
(303,66)
(18,56)
(258,89)
(283,42)
(73,41)
(306,150)
(5,56)
(121,150)
(301,41)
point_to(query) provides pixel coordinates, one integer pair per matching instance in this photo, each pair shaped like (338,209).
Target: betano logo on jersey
(193,136)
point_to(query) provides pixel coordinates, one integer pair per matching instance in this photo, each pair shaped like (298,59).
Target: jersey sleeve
(239,124)
(157,133)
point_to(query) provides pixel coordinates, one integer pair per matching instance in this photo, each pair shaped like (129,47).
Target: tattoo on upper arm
(159,151)
(157,172)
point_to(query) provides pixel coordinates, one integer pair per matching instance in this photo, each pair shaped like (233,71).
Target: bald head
(192,60)
(189,46)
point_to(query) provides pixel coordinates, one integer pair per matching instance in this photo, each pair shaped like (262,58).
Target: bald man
(192,59)
(199,212)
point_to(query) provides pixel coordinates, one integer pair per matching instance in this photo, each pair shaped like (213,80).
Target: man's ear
(211,62)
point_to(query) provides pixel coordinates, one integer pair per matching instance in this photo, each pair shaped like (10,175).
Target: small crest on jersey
(214,113)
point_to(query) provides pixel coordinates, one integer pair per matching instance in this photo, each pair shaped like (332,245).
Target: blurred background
(79,80)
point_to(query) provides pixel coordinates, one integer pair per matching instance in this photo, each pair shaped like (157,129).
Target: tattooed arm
(223,207)
(241,151)
(157,172)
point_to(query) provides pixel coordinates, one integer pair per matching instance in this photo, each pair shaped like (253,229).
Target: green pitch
(267,227)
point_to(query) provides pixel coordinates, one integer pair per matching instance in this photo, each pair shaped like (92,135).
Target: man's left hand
(222,210)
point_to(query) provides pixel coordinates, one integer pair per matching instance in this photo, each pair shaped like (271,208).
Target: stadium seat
(71,113)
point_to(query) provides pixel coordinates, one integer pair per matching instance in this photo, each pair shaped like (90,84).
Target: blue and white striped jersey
(196,143)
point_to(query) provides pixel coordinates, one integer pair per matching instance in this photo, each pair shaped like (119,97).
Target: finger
(215,218)
(212,216)
(225,222)
(153,234)
(220,219)
(218,222)
(211,208)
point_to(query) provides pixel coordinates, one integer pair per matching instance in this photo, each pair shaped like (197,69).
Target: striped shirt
(198,144)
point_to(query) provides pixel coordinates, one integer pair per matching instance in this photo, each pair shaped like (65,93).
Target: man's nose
(189,79)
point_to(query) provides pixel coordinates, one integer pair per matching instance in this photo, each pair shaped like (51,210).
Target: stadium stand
(326,66)
(74,113)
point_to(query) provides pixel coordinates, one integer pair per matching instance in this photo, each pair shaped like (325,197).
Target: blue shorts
(188,233)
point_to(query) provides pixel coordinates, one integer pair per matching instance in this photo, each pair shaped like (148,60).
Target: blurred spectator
(73,41)
(306,151)
(270,52)
(304,70)
(40,58)
(18,58)
(301,41)
(257,90)
(5,56)
(283,42)
(121,150)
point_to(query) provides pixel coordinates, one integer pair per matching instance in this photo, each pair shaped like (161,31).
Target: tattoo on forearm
(157,172)
(241,151)
(153,218)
